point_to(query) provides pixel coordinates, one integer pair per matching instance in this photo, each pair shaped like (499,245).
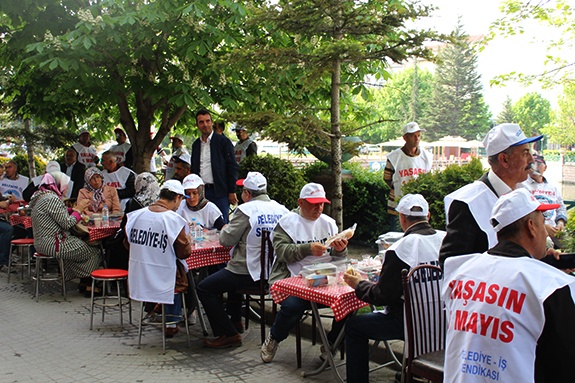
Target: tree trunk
(337,200)
(29,149)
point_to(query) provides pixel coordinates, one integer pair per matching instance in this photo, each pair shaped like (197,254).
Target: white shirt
(204,217)
(206,160)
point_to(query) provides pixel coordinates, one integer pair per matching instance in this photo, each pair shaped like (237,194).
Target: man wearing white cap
(510,315)
(467,209)
(419,245)
(119,177)
(87,154)
(177,151)
(298,240)
(181,166)
(245,145)
(403,165)
(158,239)
(258,212)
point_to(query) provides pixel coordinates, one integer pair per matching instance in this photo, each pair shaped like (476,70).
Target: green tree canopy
(532,113)
(562,128)
(507,114)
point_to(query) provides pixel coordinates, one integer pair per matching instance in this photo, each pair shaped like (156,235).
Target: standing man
(75,170)
(181,166)
(467,209)
(123,149)
(119,177)
(159,240)
(258,212)
(245,146)
(298,240)
(510,315)
(177,151)
(545,192)
(419,245)
(86,152)
(214,161)
(13,183)
(403,165)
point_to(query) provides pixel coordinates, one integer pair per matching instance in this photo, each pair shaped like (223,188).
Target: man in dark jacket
(419,245)
(75,170)
(213,159)
(467,209)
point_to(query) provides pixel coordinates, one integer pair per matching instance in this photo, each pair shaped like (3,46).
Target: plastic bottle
(193,226)
(199,233)
(105,216)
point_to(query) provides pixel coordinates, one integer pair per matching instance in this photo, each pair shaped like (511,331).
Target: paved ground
(50,341)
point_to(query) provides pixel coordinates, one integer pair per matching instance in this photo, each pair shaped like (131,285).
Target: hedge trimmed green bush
(22,161)
(434,186)
(284,180)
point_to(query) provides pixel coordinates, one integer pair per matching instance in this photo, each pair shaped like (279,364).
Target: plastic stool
(109,275)
(39,274)
(19,244)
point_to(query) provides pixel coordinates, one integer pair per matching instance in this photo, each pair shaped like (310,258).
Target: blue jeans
(358,331)
(210,291)
(292,309)
(174,311)
(6,232)
(222,203)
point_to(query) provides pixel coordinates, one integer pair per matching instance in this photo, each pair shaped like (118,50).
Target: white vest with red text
(480,200)
(152,267)
(120,151)
(302,230)
(495,310)
(86,154)
(118,180)
(262,215)
(407,168)
(240,149)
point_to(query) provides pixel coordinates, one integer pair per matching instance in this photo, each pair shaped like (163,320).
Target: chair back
(266,257)
(425,316)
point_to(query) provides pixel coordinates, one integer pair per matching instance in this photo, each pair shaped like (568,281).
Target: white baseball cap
(411,204)
(174,186)
(192,181)
(185,157)
(313,193)
(412,127)
(177,137)
(503,136)
(515,205)
(253,181)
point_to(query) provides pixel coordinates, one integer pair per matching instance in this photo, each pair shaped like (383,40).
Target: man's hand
(339,244)
(4,204)
(318,249)
(233,199)
(352,278)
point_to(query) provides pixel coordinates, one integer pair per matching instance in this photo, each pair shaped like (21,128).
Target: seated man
(510,316)
(119,177)
(13,183)
(419,245)
(298,240)
(156,247)
(181,166)
(75,170)
(258,212)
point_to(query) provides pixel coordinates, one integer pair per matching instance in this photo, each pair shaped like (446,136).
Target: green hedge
(434,186)
(22,161)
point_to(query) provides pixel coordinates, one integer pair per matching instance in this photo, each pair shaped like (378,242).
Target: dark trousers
(222,203)
(210,291)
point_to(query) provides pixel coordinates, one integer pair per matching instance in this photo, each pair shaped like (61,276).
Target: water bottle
(193,232)
(199,233)
(105,216)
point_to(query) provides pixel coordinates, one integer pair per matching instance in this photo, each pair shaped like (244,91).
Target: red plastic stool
(20,244)
(109,275)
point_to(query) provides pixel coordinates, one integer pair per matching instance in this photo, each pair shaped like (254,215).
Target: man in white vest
(419,245)
(13,184)
(468,208)
(123,149)
(258,212)
(510,315)
(158,239)
(403,165)
(86,152)
(245,145)
(119,177)
(298,240)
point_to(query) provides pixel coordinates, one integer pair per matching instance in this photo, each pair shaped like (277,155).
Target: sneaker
(151,318)
(192,318)
(269,349)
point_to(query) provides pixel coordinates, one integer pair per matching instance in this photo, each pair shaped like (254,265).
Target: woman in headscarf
(94,195)
(206,213)
(52,222)
(147,192)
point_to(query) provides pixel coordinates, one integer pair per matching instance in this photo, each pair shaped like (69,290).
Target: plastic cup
(97,220)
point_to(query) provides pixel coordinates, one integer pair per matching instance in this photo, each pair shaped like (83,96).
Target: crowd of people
(498,228)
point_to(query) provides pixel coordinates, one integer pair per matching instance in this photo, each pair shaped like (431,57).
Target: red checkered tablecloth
(208,254)
(16,219)
(97,233)
(340,298)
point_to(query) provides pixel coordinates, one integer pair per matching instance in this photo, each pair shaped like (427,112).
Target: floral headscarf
(98,193)
(147,189)
(55,181)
